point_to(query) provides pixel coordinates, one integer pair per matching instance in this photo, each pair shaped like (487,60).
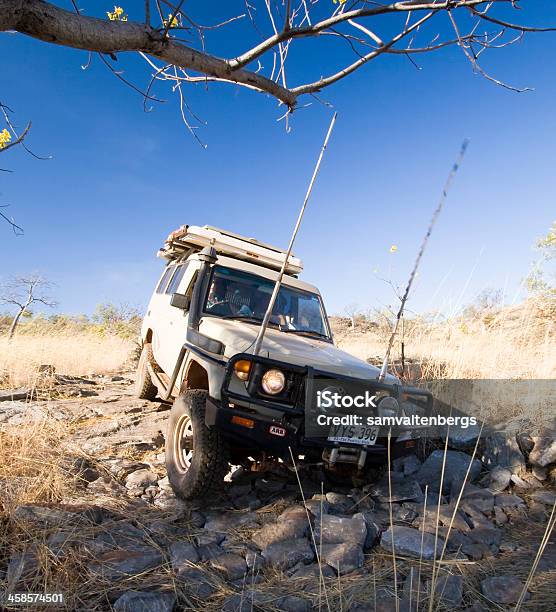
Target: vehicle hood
(239,337)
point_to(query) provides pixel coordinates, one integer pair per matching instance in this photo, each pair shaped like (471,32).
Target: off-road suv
(230,406)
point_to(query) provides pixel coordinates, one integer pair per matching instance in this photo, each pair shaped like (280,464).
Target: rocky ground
(119,539)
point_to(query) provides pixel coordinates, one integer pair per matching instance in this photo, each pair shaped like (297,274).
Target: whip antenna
(268,313)
(451,176)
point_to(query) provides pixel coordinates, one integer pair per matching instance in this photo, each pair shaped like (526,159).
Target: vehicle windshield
(234,294)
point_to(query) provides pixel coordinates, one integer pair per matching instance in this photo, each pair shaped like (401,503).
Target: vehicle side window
(176,279)
(164,279)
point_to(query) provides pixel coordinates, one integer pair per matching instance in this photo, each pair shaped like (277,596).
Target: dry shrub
(35,464)
(514,342)
(77,355)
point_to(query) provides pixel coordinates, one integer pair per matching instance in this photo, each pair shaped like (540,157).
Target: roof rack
(189,239)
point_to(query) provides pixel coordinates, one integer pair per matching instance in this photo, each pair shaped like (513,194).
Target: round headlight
(388,407)
(273,381)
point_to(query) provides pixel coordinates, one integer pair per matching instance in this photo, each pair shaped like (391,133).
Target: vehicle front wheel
(196,455)
(144,386)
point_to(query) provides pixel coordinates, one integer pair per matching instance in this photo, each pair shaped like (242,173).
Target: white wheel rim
(183,443)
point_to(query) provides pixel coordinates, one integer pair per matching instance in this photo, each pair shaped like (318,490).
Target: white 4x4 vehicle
(231,406)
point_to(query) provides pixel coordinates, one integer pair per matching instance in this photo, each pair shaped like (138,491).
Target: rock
(373,530)
(544,497)
(405,490)
(499,479)
(246,601)
(279,531)
(332,529)
(502,589)
(409,465)
(267,485)
(525,442)
(232,566)
(288,553)
(456,467)
(196,582)
(141,479)
(312,571)
(448,590)
(120,564)
(210,551)
(316,506)
(42,516)
(482,499)
(540,473)
(60,542)
(142,601)
(226,521)
(407,541)
(254,560)
(544,451)
(15,395)
(344,558)
(292,603)
(117,378)
(463,438)
(182,553)
(505,500)
(209,538)
(22,566)
(501,449)
(339,503)
(500,517)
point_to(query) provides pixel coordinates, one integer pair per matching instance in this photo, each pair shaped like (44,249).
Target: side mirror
(180,300)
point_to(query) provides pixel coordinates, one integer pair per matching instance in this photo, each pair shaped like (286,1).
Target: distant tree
(22,292)
(540,280)
(352,310)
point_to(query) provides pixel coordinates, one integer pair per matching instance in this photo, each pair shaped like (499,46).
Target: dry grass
(78,355)
(512,343)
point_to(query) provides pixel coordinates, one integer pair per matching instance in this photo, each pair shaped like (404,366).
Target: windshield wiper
(304,331)
(247,319)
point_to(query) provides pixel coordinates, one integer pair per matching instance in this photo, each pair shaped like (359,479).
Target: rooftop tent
(191,238)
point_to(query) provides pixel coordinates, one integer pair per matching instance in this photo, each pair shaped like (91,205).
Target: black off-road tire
(144,386)
(199,473)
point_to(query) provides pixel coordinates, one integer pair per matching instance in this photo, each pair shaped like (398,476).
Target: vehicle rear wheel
(196,455)
(144,386)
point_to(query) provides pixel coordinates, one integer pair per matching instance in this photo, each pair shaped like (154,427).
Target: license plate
(353,434)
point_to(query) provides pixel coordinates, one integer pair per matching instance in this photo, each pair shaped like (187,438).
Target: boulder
(407,541)
(281,530)
(455,470)
(448,591)
(343,558)
(499,479)
(196,582)
(287,553)
(463,438)
(293,603)
(230,565)
(544,451)
(502,589)
(144,601)
(544,497)
(330,529)
(407,489)
(339,503)
(141,479)
(182,553)
(501,449)
(505,500)
(119,564)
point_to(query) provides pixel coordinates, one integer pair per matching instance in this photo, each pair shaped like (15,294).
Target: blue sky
(120,179)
